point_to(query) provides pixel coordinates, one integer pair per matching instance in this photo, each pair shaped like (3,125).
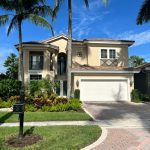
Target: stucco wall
(94,54)
(46,65)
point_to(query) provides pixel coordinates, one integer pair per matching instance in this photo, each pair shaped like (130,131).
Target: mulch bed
(27,140)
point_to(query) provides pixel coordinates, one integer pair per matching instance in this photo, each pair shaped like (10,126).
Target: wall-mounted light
(77,83)
(131,82)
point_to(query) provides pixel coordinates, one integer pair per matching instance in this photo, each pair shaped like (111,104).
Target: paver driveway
(120,114)
(128,125)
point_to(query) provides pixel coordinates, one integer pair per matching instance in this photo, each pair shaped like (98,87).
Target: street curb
(99,141)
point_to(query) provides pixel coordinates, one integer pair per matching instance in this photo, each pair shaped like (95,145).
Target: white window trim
(108,53)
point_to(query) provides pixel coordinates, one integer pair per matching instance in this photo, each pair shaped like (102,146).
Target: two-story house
(99,66)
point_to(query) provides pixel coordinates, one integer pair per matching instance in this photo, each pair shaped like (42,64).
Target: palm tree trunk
(21,70)
(69,52)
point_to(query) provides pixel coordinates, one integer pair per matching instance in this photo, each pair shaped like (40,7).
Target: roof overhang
(110,42)
(105,72)
(39,46)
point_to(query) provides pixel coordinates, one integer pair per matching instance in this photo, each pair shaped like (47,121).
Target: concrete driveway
(112,114)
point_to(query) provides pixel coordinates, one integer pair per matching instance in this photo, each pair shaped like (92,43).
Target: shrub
(145,97)
(60,99)
(77,93)
(9,87)
(6,104)
(45,108)
(53,96)
(136,96)
(38,102)
(14,98)
(42,87)
(29,107)
(75,104)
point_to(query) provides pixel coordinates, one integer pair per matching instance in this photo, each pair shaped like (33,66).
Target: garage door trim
(112,79)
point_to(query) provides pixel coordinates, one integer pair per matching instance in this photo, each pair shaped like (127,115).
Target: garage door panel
(103,90)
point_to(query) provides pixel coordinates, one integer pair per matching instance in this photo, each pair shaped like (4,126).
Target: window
(108,53)
(61,64)
(36,60)
(103,53)
(35,77)
(112,53)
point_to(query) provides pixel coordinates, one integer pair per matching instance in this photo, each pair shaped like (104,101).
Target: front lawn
(45,116)
(56,137)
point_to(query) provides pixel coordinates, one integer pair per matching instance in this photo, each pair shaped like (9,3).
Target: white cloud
(85,20)
(140,38)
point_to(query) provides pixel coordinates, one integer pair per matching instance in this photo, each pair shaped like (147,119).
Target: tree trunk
(21,71)
(69,51)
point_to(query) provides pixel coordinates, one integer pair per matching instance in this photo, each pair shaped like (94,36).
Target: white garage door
(103,90)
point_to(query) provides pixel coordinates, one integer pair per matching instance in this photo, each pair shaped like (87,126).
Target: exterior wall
(78,77)
(46,73)
(91,53)
(77,59)
(94,54)
(62,44)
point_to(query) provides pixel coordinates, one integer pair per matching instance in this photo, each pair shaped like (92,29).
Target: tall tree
(144,13)
(137,60)
(69,47)
(11,63)
(18,11)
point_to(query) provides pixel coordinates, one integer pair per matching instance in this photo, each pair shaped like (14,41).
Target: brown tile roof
(101,68)
(143,66)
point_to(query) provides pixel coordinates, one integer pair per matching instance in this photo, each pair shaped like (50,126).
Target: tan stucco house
(99,66)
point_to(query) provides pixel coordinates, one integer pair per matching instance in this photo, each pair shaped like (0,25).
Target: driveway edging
(99,141)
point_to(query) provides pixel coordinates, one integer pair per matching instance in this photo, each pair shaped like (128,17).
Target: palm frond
(43,10)
(56,8)
(86,3)
(38,20)
(4,19)
(144,13)
(12,24)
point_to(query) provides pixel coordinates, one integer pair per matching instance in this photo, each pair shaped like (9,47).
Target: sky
(117,20)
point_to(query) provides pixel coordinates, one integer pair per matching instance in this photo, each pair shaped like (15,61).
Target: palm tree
(137,60)
(69,47)
(18,11)
(144,13)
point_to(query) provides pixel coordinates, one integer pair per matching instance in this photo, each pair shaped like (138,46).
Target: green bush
(77,93)
(145,97)
(136,96)
(43,88)
(29,107)
(45,108)
(75,104)
(6,104)
(8,88)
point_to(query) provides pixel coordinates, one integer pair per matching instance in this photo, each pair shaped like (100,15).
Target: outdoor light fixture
(77,83)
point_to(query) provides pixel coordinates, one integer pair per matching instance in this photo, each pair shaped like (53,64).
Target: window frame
(41,62)
(108,53)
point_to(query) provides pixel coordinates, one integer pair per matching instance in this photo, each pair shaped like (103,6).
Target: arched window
(61,63)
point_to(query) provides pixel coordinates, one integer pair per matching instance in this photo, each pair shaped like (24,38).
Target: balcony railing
(109,62)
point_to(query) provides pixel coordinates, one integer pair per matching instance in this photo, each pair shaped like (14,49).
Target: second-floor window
(108,53)
(36,60)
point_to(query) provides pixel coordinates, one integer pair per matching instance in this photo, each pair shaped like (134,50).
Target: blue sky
(117,20)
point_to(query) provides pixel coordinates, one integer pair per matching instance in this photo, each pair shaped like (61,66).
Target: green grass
(45,116)
(55,137)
